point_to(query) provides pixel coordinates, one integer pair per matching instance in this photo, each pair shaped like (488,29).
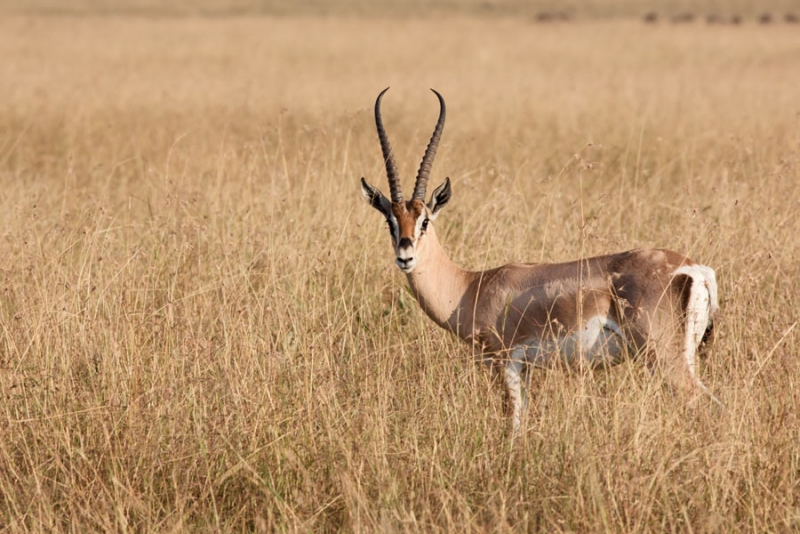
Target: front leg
(515,403)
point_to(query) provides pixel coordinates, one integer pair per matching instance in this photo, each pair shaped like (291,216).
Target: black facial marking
(405,242)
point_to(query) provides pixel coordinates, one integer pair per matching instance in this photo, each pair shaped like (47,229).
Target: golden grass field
(203,328)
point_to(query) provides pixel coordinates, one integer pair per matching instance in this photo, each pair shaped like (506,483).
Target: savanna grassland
(202,328)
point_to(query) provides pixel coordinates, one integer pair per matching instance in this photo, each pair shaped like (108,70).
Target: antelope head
(409,221)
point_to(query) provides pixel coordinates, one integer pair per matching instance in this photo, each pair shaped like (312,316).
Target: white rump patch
(702,305)
(711,284)
(699,310)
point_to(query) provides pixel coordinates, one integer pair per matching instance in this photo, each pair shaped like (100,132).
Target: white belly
(599,343)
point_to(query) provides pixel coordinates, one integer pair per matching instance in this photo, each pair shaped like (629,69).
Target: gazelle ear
(440,197)
(375,198)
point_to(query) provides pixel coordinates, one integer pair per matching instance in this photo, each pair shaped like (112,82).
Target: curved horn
(427,160)
(388,156)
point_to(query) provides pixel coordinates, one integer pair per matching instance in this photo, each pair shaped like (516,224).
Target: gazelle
(591,312)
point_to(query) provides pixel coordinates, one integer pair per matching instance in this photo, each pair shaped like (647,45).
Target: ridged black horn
(427,161)
(388,156)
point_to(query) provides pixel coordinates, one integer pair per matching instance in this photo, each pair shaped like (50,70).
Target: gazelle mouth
(406,265)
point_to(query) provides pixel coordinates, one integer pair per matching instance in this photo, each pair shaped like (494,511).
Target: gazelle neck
(439,285)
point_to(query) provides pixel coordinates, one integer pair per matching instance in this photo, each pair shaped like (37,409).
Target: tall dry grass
(202,328)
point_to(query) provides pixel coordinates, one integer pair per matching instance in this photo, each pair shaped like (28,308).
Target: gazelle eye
(425,224)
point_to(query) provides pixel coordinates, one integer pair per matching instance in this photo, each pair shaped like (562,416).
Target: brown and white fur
(592,312)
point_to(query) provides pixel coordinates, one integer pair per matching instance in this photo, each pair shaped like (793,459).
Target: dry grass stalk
(196,334)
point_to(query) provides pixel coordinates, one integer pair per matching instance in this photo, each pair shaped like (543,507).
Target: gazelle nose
(406,264)
(405,254)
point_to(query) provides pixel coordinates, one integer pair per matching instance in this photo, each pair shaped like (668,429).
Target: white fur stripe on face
(418,225)
(395,228)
